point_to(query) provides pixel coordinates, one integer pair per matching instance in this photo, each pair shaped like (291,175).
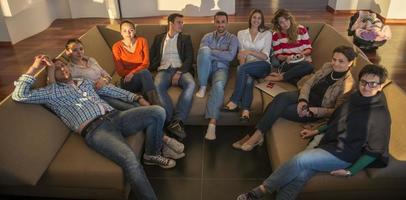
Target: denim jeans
(295,71)
(108,139)
(283,105)
(119,104)
(244,83)
(219,76)
(142,81)
(163,81)
(290,178)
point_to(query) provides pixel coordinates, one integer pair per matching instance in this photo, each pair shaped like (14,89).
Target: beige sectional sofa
(39,156)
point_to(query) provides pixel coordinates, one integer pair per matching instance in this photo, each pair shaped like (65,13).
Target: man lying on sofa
(79,106)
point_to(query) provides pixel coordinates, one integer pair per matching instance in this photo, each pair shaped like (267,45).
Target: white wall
(30,21)
(350,4)
(61,9)
(94,8)
(381,7)
(4,37)
(397,9)
(132,8)
(390,9)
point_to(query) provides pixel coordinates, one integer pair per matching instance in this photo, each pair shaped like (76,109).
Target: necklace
(332,77)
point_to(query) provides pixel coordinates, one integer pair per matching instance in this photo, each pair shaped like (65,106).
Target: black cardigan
(359,126)
(185,50)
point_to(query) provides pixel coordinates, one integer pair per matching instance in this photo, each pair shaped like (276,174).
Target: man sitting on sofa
(217,50)
(79,106)
(172,55)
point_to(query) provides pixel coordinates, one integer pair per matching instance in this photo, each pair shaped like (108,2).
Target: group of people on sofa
(81,94)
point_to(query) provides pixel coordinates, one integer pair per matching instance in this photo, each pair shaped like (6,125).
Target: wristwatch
(348,173)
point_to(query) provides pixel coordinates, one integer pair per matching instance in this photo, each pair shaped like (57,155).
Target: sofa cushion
(96,47)
(31,137)
(283,141)
(396,99)
(324,182)
(324,45)
(395,169)
(77,165)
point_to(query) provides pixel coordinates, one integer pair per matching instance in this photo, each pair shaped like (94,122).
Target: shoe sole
(181,155)
(162,166)
(180,136)
(211,139)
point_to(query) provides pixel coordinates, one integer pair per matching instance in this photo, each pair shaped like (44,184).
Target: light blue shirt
(223,48)
(74,105)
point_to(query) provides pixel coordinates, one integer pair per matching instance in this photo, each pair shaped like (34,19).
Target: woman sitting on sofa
(131,59)
(292,47)
(353,139)
(253,55)
(82,66)
(318,97)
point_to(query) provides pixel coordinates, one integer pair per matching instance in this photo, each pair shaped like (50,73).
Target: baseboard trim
(394,21)
(348,12)
(6,44)
(338,12)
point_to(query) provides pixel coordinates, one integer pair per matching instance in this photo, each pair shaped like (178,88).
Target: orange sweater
(127,62)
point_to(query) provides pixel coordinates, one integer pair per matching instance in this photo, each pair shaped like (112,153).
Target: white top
(170,55)
(261,43)
(92,71)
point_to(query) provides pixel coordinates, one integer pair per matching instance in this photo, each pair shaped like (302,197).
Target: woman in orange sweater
(131,58)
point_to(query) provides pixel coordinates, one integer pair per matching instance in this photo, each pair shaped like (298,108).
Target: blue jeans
(119,104)
(290,178)
(244,83)
(142,81)
(163,80)
(295,71)
(283,105)
(108,139)
(219,76)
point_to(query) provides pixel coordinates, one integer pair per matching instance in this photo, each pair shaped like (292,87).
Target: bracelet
(348,173)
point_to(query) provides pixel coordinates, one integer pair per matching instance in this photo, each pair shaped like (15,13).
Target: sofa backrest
(31,136)
(111,33)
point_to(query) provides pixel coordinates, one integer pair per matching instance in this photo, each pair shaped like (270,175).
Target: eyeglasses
(371,84)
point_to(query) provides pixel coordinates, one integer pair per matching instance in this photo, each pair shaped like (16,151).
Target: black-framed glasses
(371,84)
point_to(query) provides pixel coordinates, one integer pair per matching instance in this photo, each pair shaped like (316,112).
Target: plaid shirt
(74,105)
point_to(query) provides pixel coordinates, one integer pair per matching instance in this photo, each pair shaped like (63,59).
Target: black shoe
(247,196)
(177,129)
(228,109)
(244,119)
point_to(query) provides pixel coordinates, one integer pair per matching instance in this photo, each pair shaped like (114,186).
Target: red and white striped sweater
(281,46)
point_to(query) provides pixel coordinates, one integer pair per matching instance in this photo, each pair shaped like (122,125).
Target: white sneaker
(170,153)
(201,93)
(175,145)
(211,132)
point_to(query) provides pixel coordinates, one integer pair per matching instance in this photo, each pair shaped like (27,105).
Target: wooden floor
(16,59)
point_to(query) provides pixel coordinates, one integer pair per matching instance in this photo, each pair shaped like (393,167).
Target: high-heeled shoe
(249,147)
(227,108)
(240,142)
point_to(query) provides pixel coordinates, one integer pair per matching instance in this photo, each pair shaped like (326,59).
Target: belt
(96,122)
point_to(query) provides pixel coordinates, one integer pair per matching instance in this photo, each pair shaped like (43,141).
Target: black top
(359,126)
(318,90)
